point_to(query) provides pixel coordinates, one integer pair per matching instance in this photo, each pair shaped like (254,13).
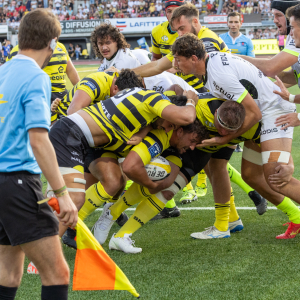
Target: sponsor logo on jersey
(154,150)
(75,153)
(61,69)
(164,38)
(209,47)
(159,89)
(59,49)
(107,114)
(221,90)
(224,59)
(58,77)
(59,57)
(2,101)
(90,85)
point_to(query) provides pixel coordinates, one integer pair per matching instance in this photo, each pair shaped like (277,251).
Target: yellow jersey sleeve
(152,145)
(13,53)
(158,104)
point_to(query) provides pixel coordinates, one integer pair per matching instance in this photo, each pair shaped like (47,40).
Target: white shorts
(269,131)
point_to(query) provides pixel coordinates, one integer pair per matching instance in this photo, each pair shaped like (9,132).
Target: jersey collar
(170,30)
(22,56)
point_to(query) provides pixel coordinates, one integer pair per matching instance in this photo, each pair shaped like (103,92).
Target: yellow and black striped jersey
(123,115)
(96,85)
(206,107)
(56,68)
(155,144)
(162,38)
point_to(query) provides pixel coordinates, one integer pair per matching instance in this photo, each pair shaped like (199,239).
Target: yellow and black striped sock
(222,215)
(146,210)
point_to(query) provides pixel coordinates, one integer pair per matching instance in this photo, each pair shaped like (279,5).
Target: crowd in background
(11,11)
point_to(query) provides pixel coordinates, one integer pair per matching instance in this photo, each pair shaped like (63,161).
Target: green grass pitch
(251,264)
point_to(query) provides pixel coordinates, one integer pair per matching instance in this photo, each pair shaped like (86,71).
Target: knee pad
(177,185)
(275,156)
(252,156)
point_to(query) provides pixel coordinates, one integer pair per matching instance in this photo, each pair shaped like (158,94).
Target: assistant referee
(27,228)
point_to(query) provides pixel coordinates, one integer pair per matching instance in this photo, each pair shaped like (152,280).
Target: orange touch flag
(94,269)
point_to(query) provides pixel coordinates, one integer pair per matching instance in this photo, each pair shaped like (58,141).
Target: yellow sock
(222,215)
(171,203)
(201,178)
(132,196)
(189,185)
(233,214)
(292,211)
(236,177)
(95,196)
(146,210)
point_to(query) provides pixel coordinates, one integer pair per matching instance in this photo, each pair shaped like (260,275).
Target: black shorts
(22,220)
(69,143)
(55,95)
(193,161)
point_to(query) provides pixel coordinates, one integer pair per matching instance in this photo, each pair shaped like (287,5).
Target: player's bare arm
(154,68)
(46,159)
(80,100)
(156,56)
(275,65)
(72,73)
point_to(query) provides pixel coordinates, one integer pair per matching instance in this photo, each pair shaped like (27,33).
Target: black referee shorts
(22,220)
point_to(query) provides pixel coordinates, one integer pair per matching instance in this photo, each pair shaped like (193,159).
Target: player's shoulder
(160,28)
(206,33)
(244,38)
(60,47)
(224,36)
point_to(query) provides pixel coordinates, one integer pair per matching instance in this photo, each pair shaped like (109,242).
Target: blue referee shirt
(25,92)
(241,45)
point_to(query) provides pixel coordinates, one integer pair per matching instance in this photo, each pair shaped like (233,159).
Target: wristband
(62,193)
(60,190)
(292,98)
(191,104)
(192,101)
(298,116)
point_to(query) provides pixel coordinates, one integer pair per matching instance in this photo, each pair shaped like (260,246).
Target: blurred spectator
(6,49)
(57,4)
(28,5)
(255,6)
(249,8)
(33,4)
(250,35)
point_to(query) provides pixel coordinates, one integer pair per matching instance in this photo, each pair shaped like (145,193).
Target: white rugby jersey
(161,82)
(231,77)
(122,60)
(143,56)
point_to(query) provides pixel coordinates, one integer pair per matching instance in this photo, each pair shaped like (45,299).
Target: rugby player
(235,79)
(289,55)
(59,66)
(192,161)
(25,150)
(110,46)
(109,125)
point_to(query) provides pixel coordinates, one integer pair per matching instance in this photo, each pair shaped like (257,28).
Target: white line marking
(207,208)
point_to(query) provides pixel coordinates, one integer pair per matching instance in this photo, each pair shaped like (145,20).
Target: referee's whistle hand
(68,212)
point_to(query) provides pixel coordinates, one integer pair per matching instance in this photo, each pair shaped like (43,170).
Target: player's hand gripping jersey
(96,85)
(206,108)
(56,68)
(125,114)
(121,60)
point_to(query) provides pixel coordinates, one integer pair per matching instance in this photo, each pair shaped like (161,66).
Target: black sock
(55,292)
(7,293)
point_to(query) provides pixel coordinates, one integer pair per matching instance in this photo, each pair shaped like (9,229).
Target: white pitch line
(207,208)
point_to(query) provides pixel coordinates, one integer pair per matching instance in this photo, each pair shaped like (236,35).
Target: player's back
(126,113)
(225,73)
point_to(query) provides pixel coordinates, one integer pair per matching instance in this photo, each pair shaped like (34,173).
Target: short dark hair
(104,31)
(37,29)
(188,45)
(234,14)
(232,114)
(293,11)
(188,10)
(128,79)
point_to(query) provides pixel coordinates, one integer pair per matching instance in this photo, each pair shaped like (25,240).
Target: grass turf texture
(250,264)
